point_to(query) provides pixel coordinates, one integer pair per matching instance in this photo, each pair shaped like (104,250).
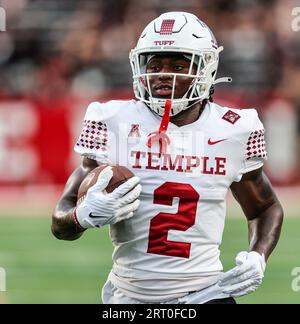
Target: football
(120,175)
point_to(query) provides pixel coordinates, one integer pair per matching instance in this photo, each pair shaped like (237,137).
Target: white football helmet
(183,33)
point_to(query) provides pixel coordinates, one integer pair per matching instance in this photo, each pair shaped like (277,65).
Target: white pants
(112,295)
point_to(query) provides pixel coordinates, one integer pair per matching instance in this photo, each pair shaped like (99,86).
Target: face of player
(161,85)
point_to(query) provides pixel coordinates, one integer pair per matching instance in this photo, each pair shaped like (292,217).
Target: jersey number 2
(181,221)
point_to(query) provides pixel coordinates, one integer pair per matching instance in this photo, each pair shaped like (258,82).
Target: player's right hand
(100,208)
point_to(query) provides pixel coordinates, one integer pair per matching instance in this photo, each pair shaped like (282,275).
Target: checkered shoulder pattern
(256,146)
(93,136)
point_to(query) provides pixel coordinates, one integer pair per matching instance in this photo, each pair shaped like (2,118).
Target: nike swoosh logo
(216,142)
(92,216)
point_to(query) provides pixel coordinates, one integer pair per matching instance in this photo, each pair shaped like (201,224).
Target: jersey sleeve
(93,139)
(255,153)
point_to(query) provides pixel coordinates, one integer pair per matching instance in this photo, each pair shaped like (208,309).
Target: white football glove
(99,208)
(246,277)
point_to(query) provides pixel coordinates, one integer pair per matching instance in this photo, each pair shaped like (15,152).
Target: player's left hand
(246,277)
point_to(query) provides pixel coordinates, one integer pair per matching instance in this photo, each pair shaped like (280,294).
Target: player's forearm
(264,230)
(63,225)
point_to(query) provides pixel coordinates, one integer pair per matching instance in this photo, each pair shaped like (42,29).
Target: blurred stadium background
(58,55)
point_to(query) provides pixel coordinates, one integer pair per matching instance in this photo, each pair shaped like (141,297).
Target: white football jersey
(171,244)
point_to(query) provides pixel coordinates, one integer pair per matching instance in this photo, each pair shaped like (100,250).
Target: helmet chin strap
(177,106)
(160,136)
(184,106)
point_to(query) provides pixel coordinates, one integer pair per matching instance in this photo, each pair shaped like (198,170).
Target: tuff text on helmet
(164,42)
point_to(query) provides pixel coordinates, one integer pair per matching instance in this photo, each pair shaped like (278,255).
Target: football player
(166,223)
